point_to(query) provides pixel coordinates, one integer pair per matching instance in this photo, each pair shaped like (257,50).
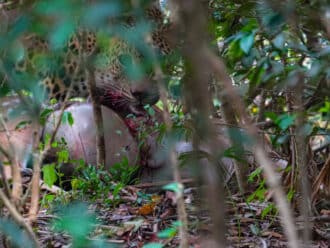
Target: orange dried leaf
(147,209)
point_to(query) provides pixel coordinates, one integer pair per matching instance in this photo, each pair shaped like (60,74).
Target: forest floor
(141,218)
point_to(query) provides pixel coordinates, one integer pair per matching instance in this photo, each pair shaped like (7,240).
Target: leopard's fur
(64,71)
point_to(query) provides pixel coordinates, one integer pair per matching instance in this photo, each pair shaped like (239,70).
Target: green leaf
(256,173)
(18,237)
(117,189)
(325,108)
(16,51)
(61,34)
(70,119)
(306,130)
(67,118)
(279,41)
(151,111)
(246,42)
(325,111)
(153,245)
(76,220)
(250,198)
(216,102)
(284,121)
(167,233)
(44,115)
(5,88)
(235,152)
(132,69)
(234,50)
(53,101)
(249,60)
(267,210)
(50,197)
(256,75)
(76,183)
(175,187)
(22,125)
(98,13)
(50,7)
(49,174)
(271,115)
(290,195)
(260,194)
(282,139)
(47,138)
(239,137)
(177,223)
(55,144)
(272,21)
(63,156)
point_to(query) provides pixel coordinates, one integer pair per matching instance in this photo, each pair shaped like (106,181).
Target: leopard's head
(67,72)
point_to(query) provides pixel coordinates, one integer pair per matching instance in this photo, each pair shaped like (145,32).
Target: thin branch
(320,178)
(98,118)
(271,177)
(182,214)
(8,156)
(16,172)
(241,168)
(39,158)
(4,181)
(35,189)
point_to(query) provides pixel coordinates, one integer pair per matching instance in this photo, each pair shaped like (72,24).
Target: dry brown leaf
(147,209)
(272,234)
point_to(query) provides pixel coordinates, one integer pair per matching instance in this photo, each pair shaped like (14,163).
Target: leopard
(63,73)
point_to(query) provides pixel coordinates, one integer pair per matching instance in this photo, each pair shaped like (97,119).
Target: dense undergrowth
(244,91)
